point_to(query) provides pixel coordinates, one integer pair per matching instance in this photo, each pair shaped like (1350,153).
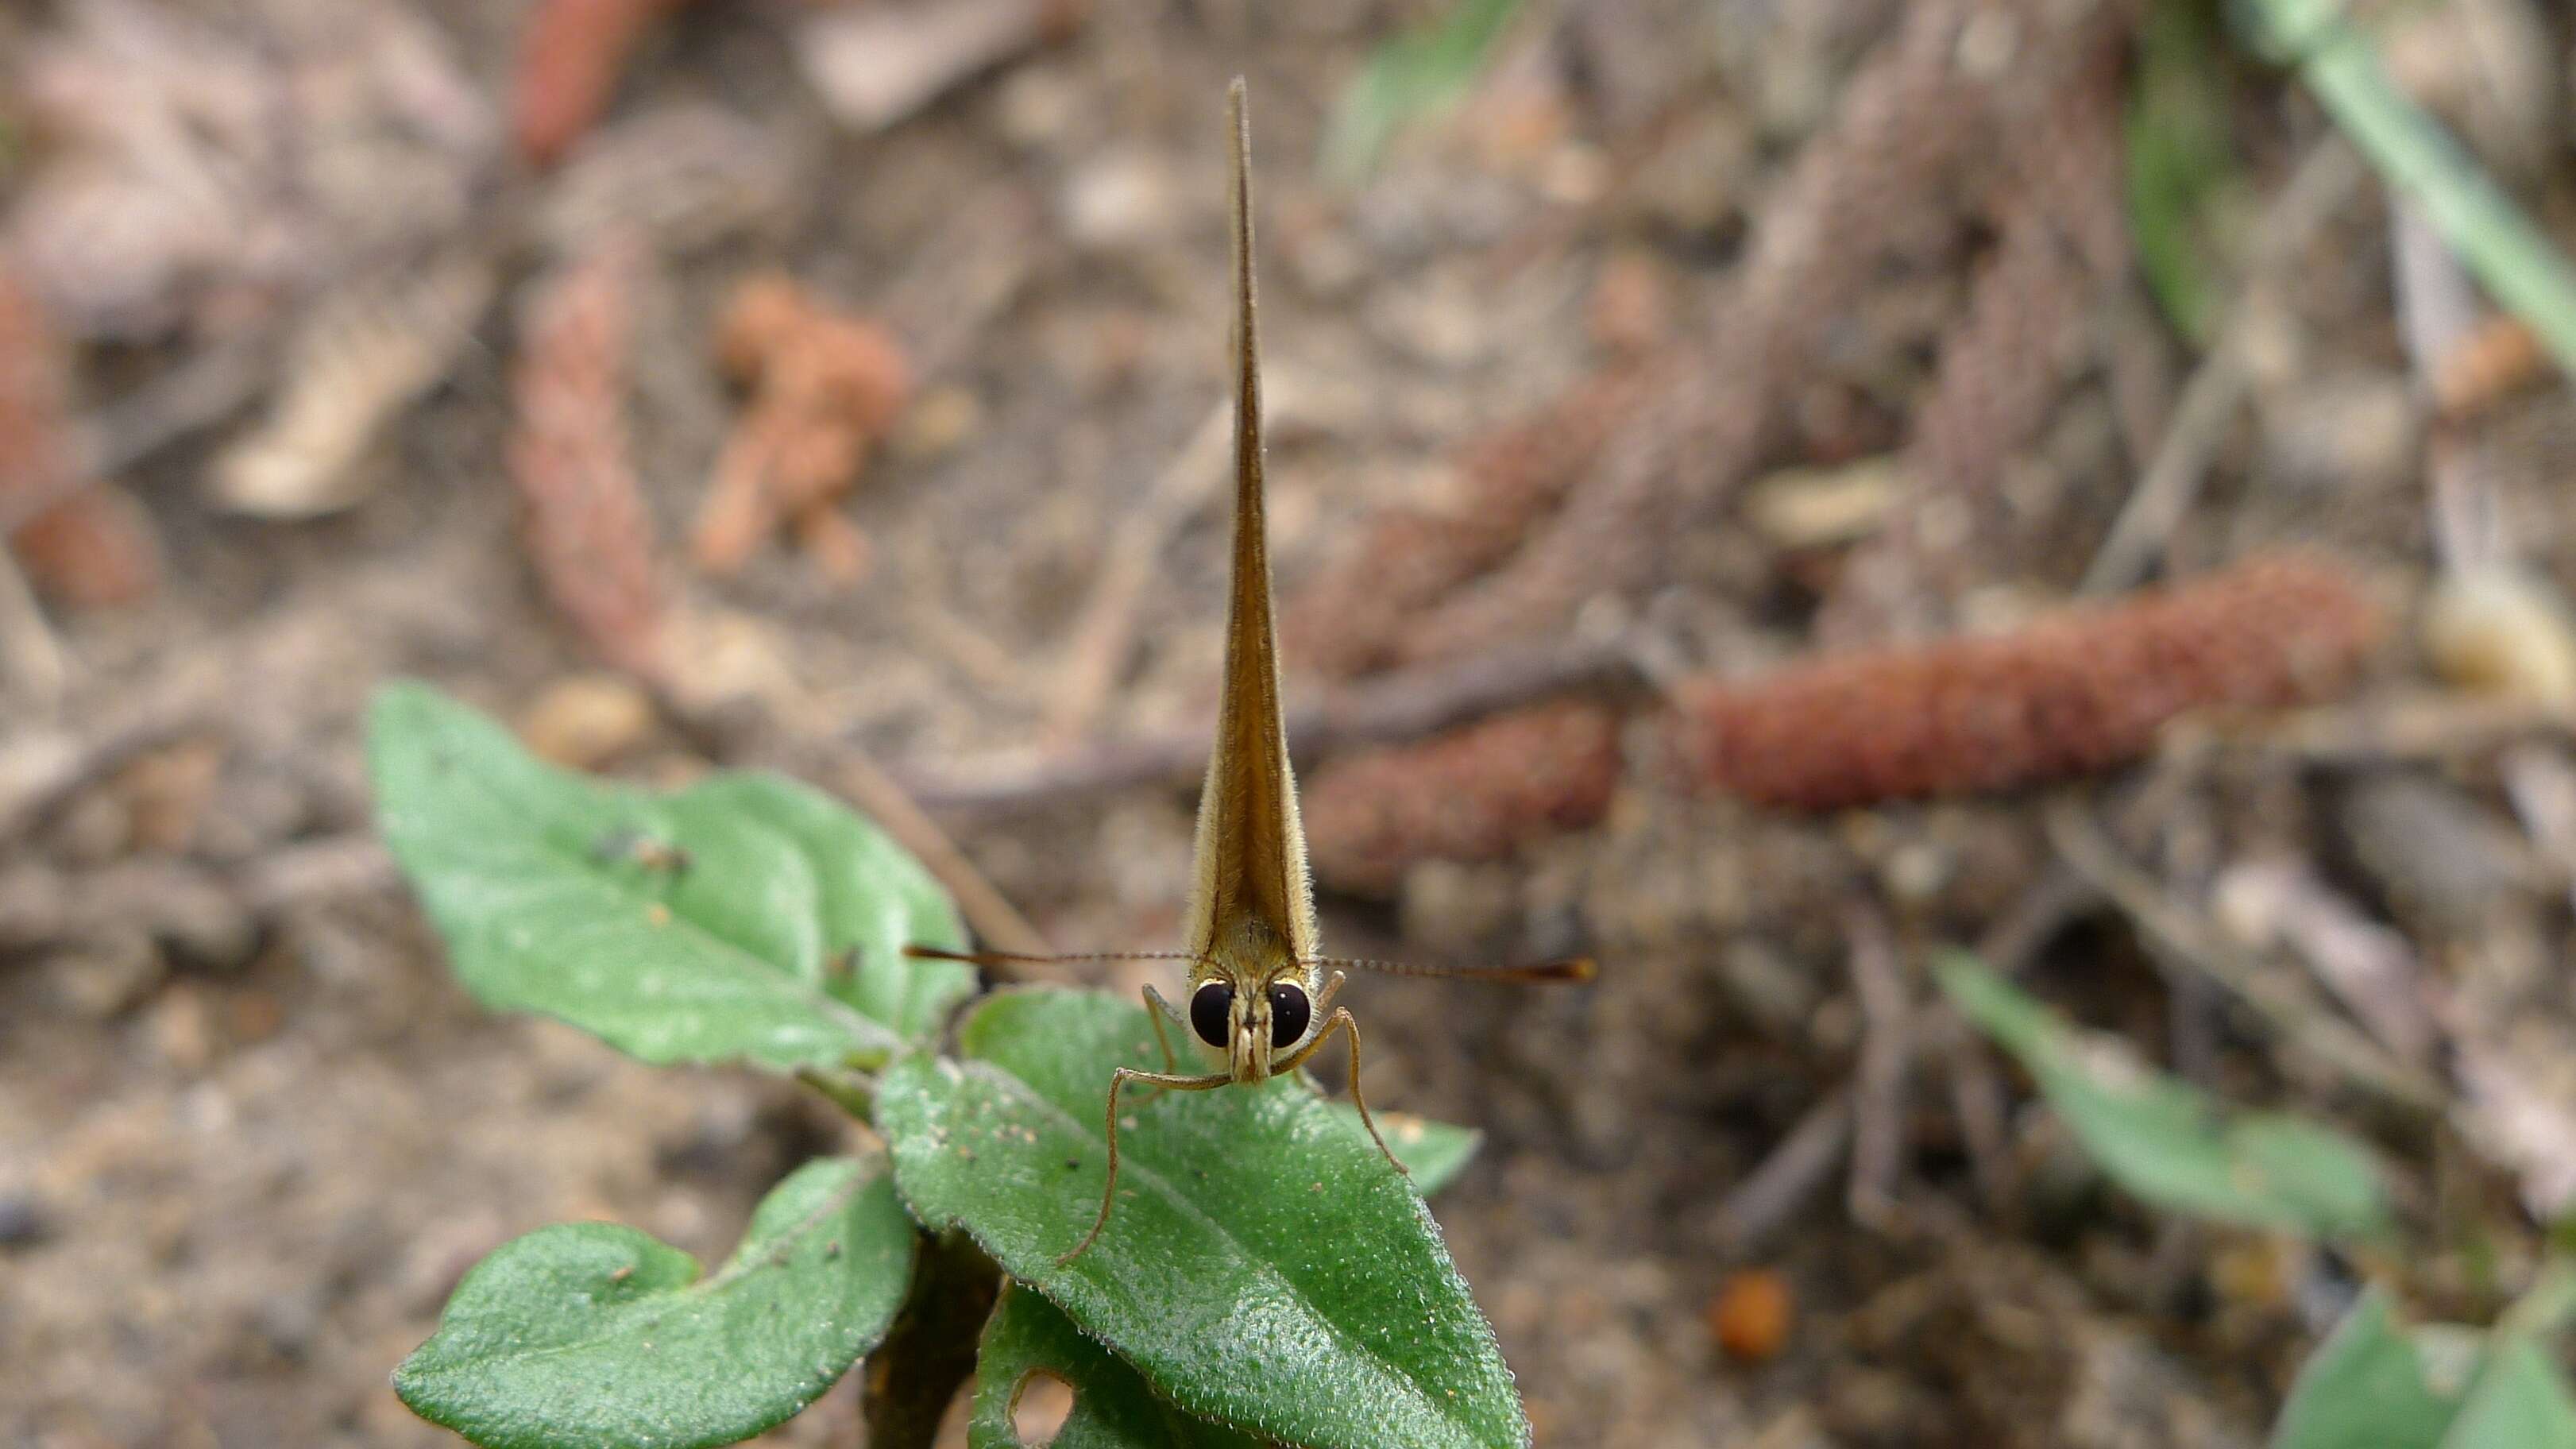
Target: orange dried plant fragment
(1751,1314)
(825,387)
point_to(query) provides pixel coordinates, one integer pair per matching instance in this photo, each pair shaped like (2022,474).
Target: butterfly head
(1255,1006)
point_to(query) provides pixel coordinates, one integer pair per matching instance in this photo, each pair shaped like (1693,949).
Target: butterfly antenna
(1004,958)
(1567,969)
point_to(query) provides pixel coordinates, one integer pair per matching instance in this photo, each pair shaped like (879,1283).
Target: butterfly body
(1259,1001)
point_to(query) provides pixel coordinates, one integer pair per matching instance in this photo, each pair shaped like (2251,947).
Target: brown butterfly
(1258,990)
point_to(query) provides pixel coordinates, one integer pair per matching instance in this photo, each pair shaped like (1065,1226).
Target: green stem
(852,1092)
(2546,1306)
(2518,265)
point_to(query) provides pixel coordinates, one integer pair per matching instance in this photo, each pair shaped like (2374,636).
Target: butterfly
(1258,995)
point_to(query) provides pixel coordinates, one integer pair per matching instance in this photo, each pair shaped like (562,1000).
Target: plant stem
(930,1351)
(2412,151)
(2547,1306)
(852,1092)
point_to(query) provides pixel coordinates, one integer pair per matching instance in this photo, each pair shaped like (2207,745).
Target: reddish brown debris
(1350,620)
(83,542)
(825,387)
(587,529)
(570,58)
(2083,690)
(1476,793)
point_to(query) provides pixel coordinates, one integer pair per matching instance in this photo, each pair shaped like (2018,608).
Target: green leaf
(1264,1266)
(1112,1407)
(586,1334)
(875,900)
(2520,1401)
(1433,1152)
(2166,1140)
(2373,1385)
(746,918)
(2181,168)
(1407,80)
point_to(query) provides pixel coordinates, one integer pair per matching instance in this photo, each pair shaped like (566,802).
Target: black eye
(1288,1013)
(1208,1011)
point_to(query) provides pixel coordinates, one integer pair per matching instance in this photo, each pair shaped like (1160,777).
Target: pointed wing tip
(1238,126)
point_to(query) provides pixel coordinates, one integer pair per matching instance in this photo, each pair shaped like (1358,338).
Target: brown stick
(1105,633)
(2173,928)
(1771,1196)
(841,765)
(986,909)
(1886,1052)
(1764,1202)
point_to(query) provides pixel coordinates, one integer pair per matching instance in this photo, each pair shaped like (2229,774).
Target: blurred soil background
(840,389)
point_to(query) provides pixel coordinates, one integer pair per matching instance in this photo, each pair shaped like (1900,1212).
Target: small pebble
(934,427)
(1119,201)
(1751,1314)
(2502,631)
(1802,508)
(585,720)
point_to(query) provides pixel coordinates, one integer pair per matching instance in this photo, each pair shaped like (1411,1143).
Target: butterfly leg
(1158,1011)
(1342,1021)
(1109,1189)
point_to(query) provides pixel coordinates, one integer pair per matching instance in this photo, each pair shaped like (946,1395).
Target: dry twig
(1768,1197)
(1878,1099)
(1106,631)
(2176,930)
(2366,965)
(996,921)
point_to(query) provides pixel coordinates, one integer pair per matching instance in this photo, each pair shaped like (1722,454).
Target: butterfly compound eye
(1209,1008)
(1289,1014)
